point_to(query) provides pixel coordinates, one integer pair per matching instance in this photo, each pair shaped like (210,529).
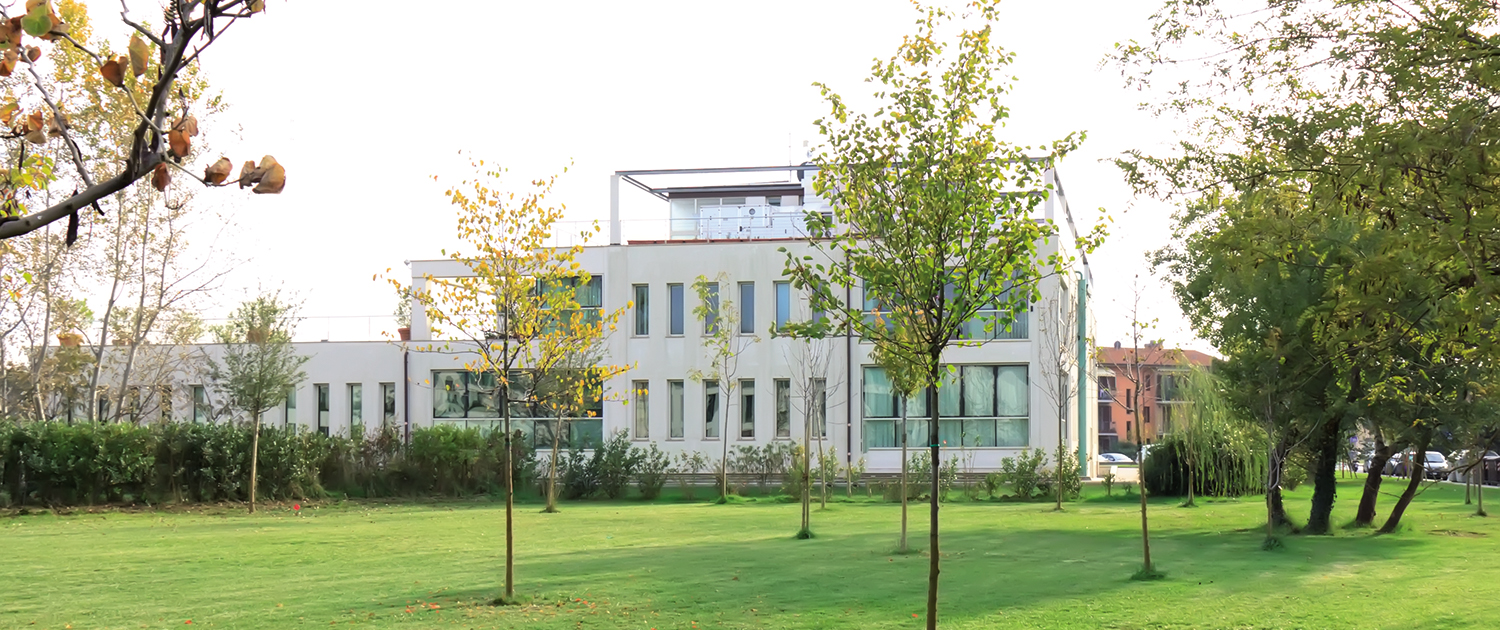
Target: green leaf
(38,21)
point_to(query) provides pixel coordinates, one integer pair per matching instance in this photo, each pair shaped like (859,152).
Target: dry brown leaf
(161,177)
(188,125)
(8,61)
(248,175)
(217,172)
(273,182)
(139,54)
(53,128)
(178,143)
(113,72)
(33,53)
(256,6)
(8,112)
(36,121)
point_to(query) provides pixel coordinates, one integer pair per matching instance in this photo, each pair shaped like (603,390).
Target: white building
(996,406)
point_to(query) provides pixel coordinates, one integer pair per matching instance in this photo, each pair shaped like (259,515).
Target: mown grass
(685,565)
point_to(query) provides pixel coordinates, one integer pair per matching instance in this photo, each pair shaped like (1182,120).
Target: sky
(375,108)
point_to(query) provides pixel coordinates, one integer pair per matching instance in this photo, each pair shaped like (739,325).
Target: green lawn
(676,565)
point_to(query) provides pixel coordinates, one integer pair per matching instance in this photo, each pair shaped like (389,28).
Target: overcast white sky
(365,102)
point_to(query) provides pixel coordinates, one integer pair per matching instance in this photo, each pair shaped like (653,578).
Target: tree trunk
(254,459)
(932,436)
(1418,470)
(724,437)
(1325,479)
(510,490)
(1479,487)
(1141,481)
(901,545)
(1062,413)
(1365,515)
(806,471)
(552,466)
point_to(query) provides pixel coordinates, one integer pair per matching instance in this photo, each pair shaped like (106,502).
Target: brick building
(1160,369)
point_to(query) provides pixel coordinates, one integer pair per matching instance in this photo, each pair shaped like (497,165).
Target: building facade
(731,233)
(1160,389)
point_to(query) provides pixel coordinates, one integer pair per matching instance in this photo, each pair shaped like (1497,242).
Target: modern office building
(728,231)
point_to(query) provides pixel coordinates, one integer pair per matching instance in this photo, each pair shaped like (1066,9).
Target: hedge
(56,464)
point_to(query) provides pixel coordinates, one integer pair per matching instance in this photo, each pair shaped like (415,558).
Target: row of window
(677,308)
(984,326)
(203,409)
(814,408)
(978,406)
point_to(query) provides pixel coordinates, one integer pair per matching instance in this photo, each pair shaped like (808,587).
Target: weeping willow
(1209,448)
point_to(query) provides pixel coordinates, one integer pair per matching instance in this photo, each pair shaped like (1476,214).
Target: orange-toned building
(1160,368)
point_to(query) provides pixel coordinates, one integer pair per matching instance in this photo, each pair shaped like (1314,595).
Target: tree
(568,371)
(1057,332)
(1138,373)
(1382,113)
(810,395)
(926,212)
(501,308)
(259,364)
(723,344)
(161,129)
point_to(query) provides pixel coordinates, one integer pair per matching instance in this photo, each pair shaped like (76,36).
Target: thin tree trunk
(552,474)
(1479,487)
(1141,481)
(1418,469)
(932,535)
(254,460)
(510,490)
(901,545)
(724,437)
(1062,412)
(806,469)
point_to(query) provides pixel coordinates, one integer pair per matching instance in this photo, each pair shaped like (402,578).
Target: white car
(1114,458)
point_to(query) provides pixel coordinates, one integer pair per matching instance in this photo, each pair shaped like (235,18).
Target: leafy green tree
(258,364)
(930,210)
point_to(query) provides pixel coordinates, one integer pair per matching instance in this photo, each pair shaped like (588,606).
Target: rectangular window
(387,405)
(783,408)
(322,408)
(1106,418)
(642,310)
(1146,415)
(356,409)
(291,406)
(711,319)
(710,409)
(449,394)
(133,403)
(165,392)
(200,404)
(783,304)
(642,410)
(675,306)
(819,407)
(747,409)
(675,391)
(747,308)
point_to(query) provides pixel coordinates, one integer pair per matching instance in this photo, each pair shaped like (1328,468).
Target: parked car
(1114,458)
(1435,465)
(1463,463)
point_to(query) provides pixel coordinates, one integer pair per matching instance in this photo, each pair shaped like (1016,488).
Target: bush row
(53,463)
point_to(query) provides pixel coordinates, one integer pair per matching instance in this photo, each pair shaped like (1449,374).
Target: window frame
(677,410)
(676,310)
(641,310)
(747,307)
(747,409)
(641,426)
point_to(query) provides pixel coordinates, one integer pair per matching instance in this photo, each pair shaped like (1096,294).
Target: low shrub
(617,462)
(1023,473)
(651,472)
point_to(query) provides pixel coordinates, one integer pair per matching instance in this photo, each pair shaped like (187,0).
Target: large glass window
(783,408)
(783,304)
(710,409)
(675,392)
(675,309)
(642,310)
(472,399)
(819,407)
(747,409)
(747,308)
(642,410)
(978,406)
(387,405)
(322,408)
